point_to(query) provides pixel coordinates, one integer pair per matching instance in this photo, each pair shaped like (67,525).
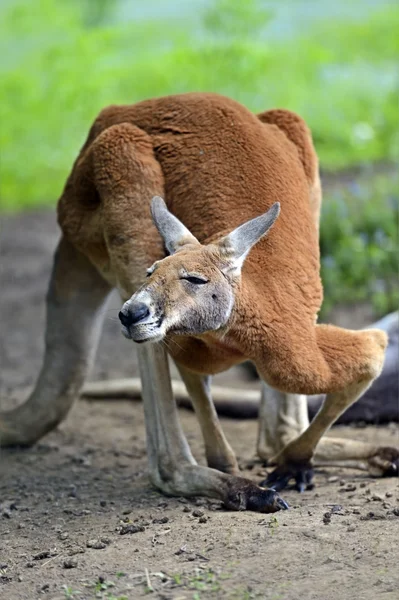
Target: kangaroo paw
(300,472)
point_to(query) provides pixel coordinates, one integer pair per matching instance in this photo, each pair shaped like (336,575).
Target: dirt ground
(78,518)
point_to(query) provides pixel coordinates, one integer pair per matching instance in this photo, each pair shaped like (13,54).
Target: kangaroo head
(191,291)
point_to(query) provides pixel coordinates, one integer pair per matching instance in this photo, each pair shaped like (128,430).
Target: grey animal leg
(283,417)
(75,306)
(172,466)
(218,451)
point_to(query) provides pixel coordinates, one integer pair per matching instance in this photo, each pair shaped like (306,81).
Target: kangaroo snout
(140,321)
(136,313)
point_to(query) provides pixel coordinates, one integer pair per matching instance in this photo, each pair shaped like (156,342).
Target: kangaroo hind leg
(283,417)
(353,361)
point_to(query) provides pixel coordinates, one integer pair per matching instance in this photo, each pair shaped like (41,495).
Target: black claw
(389,454)
(392,471)
(266,501)
(282,504)
(300,486)
(276,481)
(279,479)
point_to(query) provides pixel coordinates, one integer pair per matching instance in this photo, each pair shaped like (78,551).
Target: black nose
(137,312)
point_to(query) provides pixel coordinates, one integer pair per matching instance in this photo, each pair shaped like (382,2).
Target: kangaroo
(226,269)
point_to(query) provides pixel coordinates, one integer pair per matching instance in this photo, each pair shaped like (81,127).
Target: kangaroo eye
(195,280)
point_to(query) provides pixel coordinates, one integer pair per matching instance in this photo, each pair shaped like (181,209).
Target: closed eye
(195,279)
(150,270)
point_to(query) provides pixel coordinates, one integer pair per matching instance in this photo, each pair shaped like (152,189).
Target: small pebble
(76,550)
(96,544)
(203,519)
(332,479)
(349,488)
(161,521)
(377,498)
(130,528)
(70,563)
(198,513)
(42,555)
(351,528)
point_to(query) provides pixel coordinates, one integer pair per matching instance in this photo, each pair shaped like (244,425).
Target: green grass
(64,64)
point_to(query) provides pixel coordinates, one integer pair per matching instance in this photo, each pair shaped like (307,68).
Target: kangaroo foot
(385,462)
(300,472)
(249,496)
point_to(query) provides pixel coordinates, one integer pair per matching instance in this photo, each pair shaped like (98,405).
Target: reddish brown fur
(218,165)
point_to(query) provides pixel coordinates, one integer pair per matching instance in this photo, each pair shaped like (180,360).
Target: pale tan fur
(218,166)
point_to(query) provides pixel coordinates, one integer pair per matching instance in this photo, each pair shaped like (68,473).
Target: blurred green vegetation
(359,244)
(64,60)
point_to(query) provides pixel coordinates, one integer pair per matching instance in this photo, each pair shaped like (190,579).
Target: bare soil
(79,519)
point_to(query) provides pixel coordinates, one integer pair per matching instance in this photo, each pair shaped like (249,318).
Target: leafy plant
(70,593)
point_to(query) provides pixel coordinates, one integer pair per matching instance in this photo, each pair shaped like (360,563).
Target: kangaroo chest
(204,356)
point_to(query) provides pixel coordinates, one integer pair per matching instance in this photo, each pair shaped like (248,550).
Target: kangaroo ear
(236,245)
(174,233)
